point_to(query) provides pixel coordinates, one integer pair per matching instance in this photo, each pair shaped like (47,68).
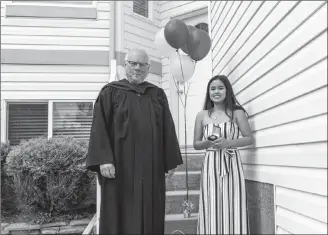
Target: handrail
(92,223)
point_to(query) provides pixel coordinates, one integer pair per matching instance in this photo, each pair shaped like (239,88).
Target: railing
(90,228)
(93,226)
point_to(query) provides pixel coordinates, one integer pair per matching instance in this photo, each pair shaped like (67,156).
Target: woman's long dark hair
(230,102)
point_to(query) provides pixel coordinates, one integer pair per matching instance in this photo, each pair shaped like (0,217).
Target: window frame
(50,113)
(150,11)
(5,113)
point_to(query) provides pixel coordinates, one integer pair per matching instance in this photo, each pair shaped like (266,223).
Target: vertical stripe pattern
(222,203)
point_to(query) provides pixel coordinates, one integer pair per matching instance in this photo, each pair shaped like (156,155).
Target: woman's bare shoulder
(201,114)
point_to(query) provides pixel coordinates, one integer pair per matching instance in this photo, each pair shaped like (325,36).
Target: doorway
(197,90)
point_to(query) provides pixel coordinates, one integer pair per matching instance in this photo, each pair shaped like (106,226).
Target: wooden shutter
(26,121)
(72,119)
(140,7)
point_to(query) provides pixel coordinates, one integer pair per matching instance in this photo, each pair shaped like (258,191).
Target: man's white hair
(141,50)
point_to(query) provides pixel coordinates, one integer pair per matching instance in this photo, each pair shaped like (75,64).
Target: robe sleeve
(100,149)
(172,153)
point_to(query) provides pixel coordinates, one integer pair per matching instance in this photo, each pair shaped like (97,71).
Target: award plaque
(216,133)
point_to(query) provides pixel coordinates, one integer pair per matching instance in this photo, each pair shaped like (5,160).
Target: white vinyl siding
(56,34)
(275,55)
(81,3)
(35,82)
(139,32)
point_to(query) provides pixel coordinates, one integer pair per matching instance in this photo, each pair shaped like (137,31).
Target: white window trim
(4,118)
(51,110)
(150,12)
(5,113)
(93,4)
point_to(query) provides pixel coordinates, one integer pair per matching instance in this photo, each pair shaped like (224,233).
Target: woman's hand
(208,143)
(221,143)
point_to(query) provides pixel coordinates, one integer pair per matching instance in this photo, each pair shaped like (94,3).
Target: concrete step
(174,200)
(178,181)
(194,162)
(177,224)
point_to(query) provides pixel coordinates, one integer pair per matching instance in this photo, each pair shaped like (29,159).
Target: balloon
(188,67)
(176,33)
(191,41)
(162,45)
(197,51)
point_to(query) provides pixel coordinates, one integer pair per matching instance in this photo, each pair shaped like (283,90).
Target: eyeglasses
(134,64)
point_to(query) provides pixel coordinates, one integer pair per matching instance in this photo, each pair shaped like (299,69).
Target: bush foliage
(50,175)
(7,202)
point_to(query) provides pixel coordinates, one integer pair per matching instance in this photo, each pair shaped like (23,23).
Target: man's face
(136,67)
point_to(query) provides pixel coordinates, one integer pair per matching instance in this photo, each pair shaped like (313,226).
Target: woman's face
(217,91)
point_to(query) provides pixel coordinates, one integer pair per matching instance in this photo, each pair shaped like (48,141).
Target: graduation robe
(133,129)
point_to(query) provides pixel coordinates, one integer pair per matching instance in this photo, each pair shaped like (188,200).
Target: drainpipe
(112,42)
(112,77)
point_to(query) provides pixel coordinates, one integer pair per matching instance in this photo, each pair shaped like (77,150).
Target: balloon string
(190,82)
(181,66)
(175,83)
(185,126)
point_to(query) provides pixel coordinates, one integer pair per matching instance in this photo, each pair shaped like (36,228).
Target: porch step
(174,200)
(177,224)
(194,162)
(178,181)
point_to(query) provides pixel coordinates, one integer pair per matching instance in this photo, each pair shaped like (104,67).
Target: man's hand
(107,170)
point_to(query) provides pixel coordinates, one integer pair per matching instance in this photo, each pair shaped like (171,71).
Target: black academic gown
(133,129)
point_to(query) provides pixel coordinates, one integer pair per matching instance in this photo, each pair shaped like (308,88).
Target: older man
(132,144)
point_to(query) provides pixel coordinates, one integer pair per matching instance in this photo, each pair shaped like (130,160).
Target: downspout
(112,41)
(112,77)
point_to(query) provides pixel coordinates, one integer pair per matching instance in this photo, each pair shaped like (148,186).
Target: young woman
(222,202)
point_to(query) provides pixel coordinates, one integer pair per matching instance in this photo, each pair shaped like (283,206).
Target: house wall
(53,58)
(275,55)
(138,32)
(40,56)
(62,51)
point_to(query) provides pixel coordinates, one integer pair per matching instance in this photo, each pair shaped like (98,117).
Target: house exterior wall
(138,32)
(275,55)
(52,50)
(48,58)
(40,56)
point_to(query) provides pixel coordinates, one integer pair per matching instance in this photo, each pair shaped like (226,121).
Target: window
(72,118)
(202,26)
(30,120)
(141,7)
(26,121)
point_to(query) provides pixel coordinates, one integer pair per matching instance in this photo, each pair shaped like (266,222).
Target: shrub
(50,175)
(7,199)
